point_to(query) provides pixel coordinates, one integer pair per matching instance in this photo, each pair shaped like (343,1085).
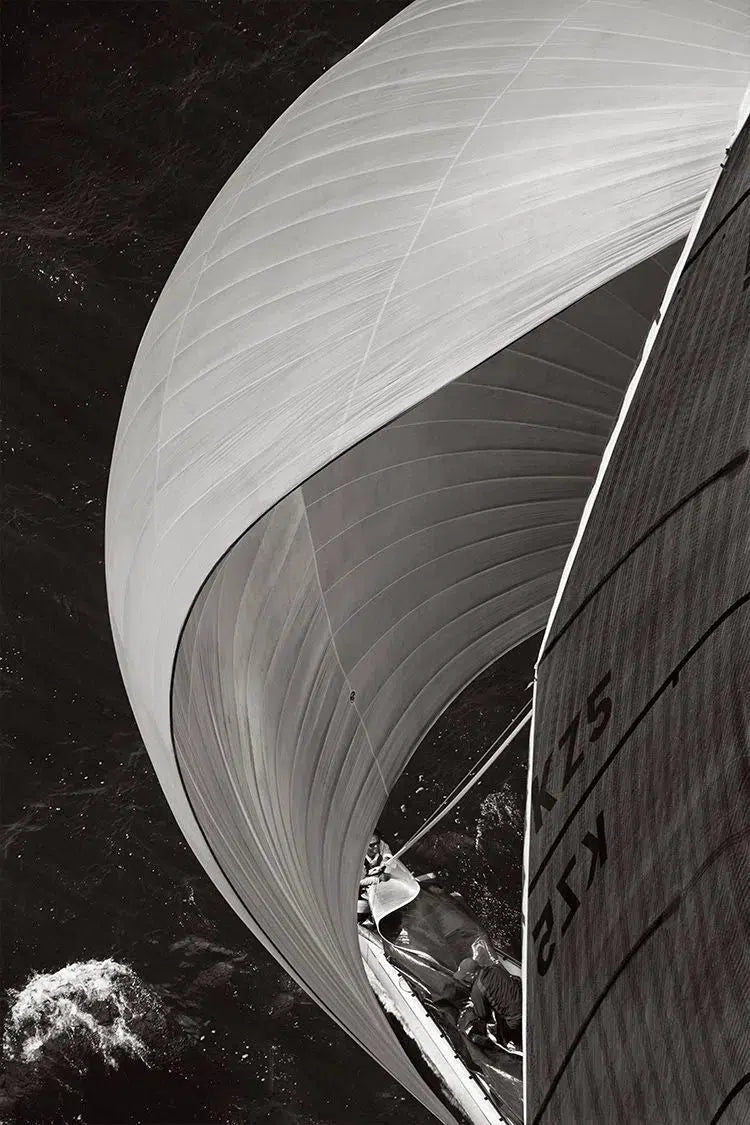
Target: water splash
(92,1004)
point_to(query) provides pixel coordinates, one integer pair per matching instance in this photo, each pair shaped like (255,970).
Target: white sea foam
(87,1002)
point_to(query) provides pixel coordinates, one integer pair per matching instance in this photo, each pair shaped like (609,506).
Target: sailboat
(419,934)
(365,417)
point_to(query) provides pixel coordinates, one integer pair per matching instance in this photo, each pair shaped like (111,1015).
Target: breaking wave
(97,1005)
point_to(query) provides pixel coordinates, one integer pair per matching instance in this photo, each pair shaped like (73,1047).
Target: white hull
(398,998)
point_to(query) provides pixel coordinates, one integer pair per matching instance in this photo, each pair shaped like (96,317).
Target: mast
(637,969)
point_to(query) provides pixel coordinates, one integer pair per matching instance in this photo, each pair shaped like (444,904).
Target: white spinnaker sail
(456,182)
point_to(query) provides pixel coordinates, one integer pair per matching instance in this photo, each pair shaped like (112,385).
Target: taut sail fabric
(325,643)
(638,901)
(470,172)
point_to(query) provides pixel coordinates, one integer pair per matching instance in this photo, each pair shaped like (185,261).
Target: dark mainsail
(638,912)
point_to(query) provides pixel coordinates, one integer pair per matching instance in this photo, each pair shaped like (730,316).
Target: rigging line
(436,819)
(477,765)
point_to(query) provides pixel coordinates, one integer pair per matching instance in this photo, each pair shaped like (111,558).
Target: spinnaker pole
(470,779)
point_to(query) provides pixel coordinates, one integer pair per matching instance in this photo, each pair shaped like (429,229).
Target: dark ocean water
(123,120)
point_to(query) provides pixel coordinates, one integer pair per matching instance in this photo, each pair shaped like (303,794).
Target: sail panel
(638,910)
(369,251)
(341,624)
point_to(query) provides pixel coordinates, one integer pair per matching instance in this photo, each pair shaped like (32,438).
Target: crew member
(495,996)
(373,871)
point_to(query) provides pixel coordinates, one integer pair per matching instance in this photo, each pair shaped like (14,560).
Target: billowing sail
(366,413)
(638,913)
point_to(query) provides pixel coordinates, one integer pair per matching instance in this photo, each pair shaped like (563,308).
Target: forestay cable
(451,801)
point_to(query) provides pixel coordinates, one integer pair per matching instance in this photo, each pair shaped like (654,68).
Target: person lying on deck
(495,997)
(373,871)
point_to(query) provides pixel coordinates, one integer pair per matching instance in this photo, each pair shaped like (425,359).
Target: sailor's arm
(376,875)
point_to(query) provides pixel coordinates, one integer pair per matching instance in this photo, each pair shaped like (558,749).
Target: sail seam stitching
(669,911)
(709,238)
(732,465)
(334,646)
(472,133)
(670,679)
